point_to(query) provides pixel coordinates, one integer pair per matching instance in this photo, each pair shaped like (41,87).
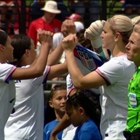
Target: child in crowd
(81,109)
(57,101)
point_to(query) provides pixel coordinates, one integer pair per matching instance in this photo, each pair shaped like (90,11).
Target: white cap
(79,26)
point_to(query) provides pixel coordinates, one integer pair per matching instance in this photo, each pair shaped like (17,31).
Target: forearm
(64,123)
(40,63)
(73,69)
(55,56)
(58,70)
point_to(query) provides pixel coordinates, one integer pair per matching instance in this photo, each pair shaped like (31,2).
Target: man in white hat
(47,21)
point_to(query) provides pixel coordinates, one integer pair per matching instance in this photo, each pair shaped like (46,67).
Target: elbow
(78,85)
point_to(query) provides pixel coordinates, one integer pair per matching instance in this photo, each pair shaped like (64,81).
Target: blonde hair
(93,33)
(137,27)
(94,30)
(121,24)
(135,19)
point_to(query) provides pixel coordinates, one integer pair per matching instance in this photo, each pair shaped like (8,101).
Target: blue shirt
(48,129)
(87,131)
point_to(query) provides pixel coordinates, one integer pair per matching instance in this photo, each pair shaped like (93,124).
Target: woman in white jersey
(27,121)
(112,77)
(9,72)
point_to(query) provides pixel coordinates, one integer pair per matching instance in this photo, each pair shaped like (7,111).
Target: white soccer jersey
(69,84)
(117,73)
(28,120)
(7,94)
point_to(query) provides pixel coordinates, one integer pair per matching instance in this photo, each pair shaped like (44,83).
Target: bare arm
(37,68)
(80,81)
(55,56)
(67,28)
(57,70)
(61,126)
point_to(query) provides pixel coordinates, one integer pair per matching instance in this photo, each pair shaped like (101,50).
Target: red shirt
(7,1)
(54,26)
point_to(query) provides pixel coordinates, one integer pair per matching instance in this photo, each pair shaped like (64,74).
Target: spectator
(57,101)
(111,77)
(27,121)
(47,21)
(76,17)
(36,11)
(133,51)
(131,6)
(82,112)
(8,13)
(89,10)
(64,10)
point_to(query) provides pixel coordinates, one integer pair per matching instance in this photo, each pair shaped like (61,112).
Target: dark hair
(89,101)
(20,43)
(3,37)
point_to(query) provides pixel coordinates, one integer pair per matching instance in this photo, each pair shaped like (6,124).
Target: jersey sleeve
(6,71)
(69,84)
(111,71)
(42,79)
(46,73)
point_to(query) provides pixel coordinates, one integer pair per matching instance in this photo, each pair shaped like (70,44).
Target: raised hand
(69,42)
(45,37)
(68,27)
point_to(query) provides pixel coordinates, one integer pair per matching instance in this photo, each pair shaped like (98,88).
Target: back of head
(121,24)
(95,29)
(93,33)
(20,43)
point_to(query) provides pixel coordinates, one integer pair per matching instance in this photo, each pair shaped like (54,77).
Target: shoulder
(7,67)
(36,21)
(51,124)
(86,128)
(117,63)
(88,125)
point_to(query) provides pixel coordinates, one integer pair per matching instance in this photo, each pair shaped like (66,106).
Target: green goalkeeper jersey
(133,119)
